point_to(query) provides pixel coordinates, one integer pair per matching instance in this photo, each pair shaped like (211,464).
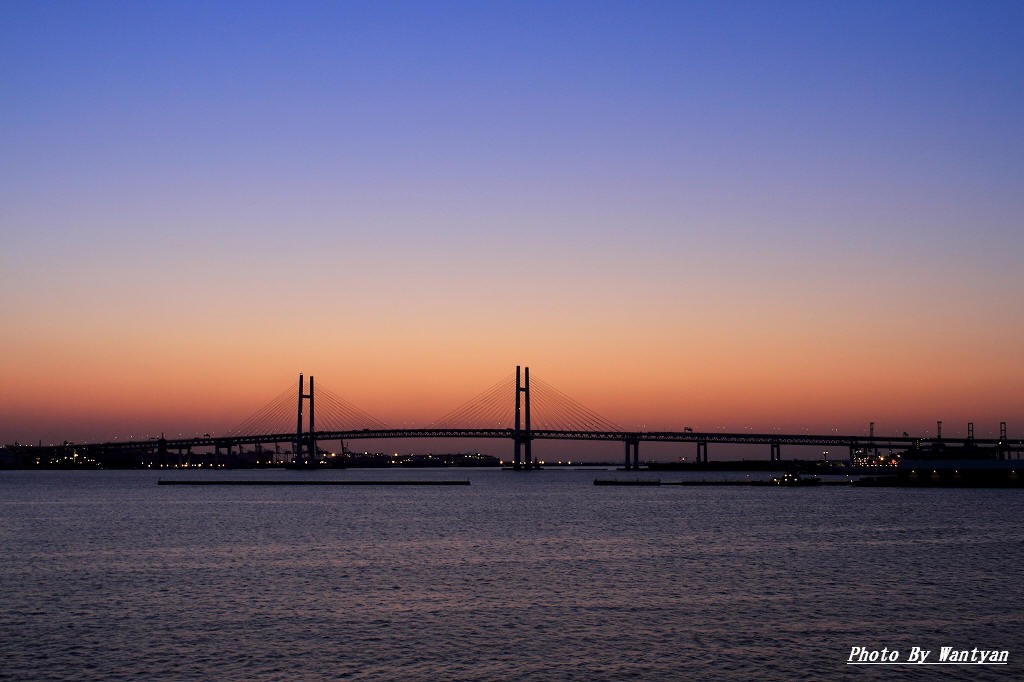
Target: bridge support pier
(633,445)
(1004,450)
(776,453)
(702,451)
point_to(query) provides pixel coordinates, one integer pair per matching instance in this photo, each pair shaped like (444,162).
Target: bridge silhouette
(513,408)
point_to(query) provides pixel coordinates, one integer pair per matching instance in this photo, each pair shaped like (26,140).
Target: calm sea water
(106,575)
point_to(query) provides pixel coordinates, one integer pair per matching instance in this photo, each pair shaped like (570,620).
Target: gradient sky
(738,214)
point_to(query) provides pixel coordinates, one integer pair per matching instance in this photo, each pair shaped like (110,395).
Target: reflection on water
(526,576)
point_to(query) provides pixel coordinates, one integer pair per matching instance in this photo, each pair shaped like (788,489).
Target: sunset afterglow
(198,205)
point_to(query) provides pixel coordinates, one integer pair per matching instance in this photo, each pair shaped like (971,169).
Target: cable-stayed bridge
(514,408)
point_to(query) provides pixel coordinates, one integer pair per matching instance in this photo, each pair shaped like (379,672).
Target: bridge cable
(484,405)
(256,422)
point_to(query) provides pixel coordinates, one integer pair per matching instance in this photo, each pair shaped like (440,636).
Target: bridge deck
(743,438)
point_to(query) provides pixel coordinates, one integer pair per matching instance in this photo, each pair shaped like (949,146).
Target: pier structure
(632,445)
(702,451)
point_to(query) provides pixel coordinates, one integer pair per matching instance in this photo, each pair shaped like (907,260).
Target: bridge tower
(309,440)
(523,436)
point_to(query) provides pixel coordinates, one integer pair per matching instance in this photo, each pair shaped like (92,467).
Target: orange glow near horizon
(701,233)
(406,367)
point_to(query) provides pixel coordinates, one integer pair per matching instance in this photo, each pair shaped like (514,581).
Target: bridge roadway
(704,437)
